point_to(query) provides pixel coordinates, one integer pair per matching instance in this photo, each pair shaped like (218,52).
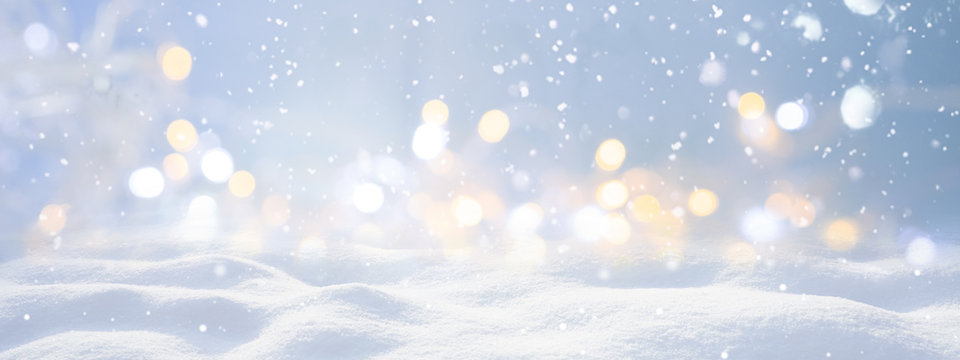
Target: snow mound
(371,303)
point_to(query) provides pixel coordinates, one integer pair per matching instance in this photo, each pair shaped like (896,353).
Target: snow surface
(363,302)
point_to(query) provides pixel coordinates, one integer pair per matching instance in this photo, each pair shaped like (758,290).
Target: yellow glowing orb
(52,219)
(702,202)
(176,63)
(493,126)
(275,210)
(645,207)
(175,166)
(612,194)
(610,154)
(841,235)
(181,135)
(802,213)
(778,205)
(751,105)
(468,211)
(616,229)
(435,112)
(242,184)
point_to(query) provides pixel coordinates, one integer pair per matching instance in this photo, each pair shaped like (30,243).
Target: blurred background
(514,128)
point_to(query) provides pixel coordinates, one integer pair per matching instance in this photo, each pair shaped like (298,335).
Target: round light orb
(467,210)
(493,126)
(841,235)
(146,182)
(217,165)
(435,112)
(791,116)
(859,107)
(176,63)
(645,208)
(368,197)
(751,105)
(429,141)
(181,135)
(610,154)
(702,202)
(175,166)
(242,183)
(612,194)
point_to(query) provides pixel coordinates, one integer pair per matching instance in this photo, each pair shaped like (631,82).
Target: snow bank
(371,303)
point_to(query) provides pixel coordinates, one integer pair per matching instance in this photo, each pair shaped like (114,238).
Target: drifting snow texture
(859,107)
(369,303)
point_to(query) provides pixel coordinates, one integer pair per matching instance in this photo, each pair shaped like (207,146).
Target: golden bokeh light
(242,184)
(778,205)
(645,207)
(181,135)
(702,202)
(468,211)
(612,194)
(435,112)
(616,229)
(802,213)
(493,126)
(52,219)
(610,154)
(751,105)
(275,210)
(176,63)
(175,166)
(841,235)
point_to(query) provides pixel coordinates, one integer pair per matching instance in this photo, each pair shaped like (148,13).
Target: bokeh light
(176,63)
(921,251)
(181,135)
(702,202)
(217,165)
(610,154)
(468,211)
(52,219)
(368,197)
(751,105)
(612,194)
(758,226)
(493,126)
(841,235)
(435,112)
(175,166)
(791,116)
(146,182)
(645,208)
(616,229)
(242,184)
(429,141)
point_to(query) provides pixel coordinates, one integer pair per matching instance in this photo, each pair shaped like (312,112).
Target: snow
(860,107)
(360,302)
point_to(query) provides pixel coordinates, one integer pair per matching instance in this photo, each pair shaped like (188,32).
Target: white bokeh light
(921,251)
(217,165)
(37,37)
(791,116)
(759,226)
(146,182)
(368,197)
(588,224)
(429,141)
(864,7)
